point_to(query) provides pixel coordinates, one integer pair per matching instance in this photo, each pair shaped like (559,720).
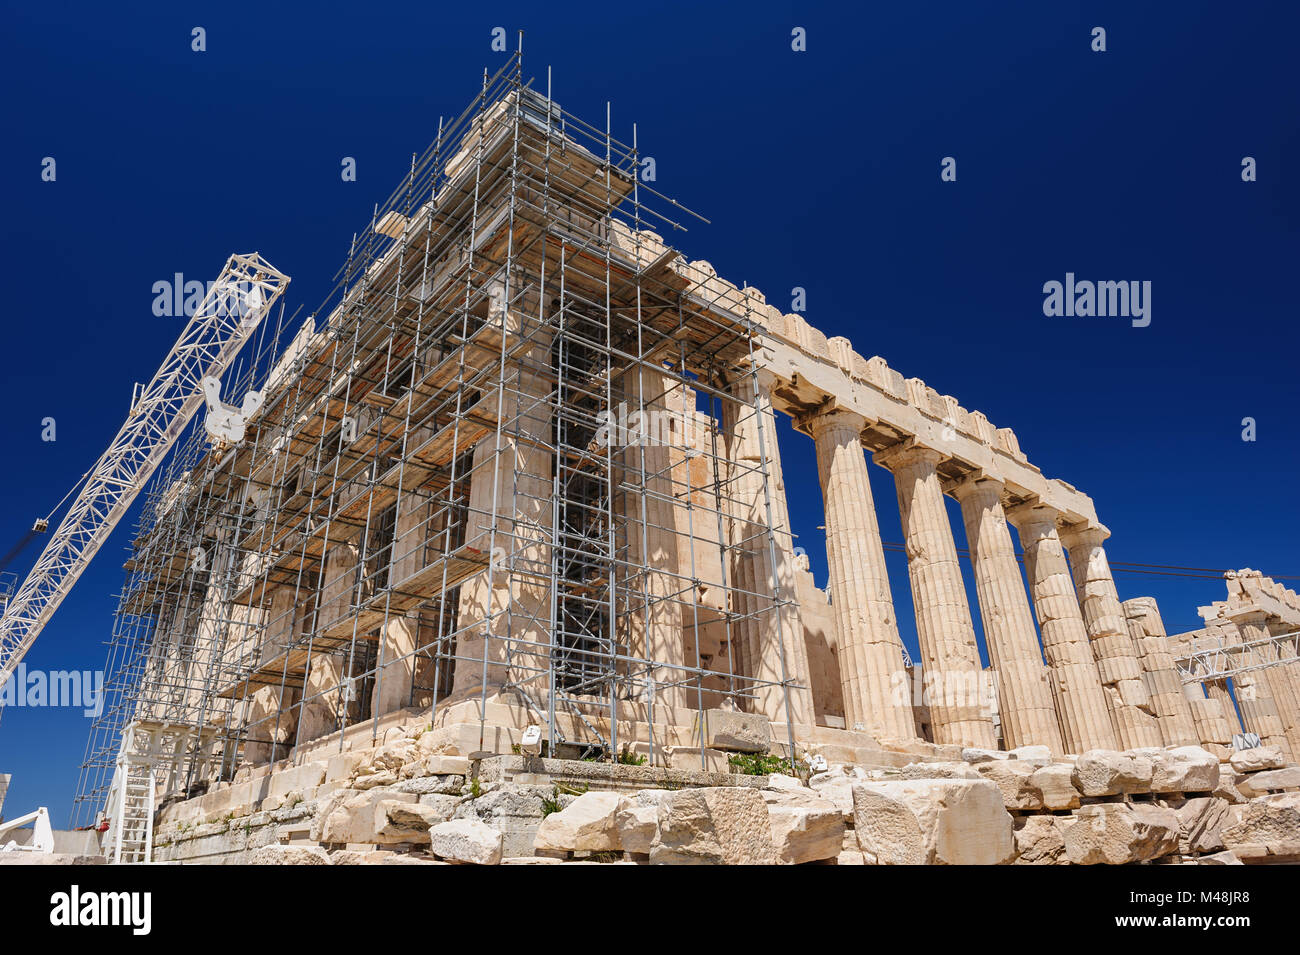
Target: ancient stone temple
(511,517)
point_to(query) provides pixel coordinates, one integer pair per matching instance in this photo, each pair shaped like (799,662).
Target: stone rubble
(400,804)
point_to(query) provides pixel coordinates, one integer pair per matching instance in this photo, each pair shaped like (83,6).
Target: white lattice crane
(229,313)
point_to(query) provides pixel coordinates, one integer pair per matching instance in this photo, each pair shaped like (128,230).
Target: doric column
(1288,673)
(1024,690)
(399,636)
(1253,626)
(761,567)
(872,676)
(945,632)
(272,716)
(1217,690)
(1080,701)
(503,619)
(323,704)
(1169,700)
(1213,729)
(647,509)
(1117,662)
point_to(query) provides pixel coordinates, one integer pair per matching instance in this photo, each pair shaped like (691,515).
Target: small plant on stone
(628,758)
(551,804)
(760,764)
(475,788)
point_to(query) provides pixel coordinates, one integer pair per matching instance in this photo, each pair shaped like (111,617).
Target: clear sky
(818,169)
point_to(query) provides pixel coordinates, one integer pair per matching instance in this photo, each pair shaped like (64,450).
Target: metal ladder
(132,828)
(131,800)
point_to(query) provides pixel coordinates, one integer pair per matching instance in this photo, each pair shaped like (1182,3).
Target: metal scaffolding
(499,463)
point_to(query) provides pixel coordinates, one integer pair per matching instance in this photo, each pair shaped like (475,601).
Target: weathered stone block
(402,821)
(958,822)
(1014,780)
(288,855)
(300,778)
(1040,841)
(942,770)
(588,824)
(837,785)
(805,827)
(515,811)
(466,840)
(1056,785)
(714,826)
(1288,778)
(1257,758)
(1037,755)
(1267,820)
(1118,833)
(1200,824)
(342,766)
(1183,769)
(737,732)
(638,819)
(358,817)
(1103,772)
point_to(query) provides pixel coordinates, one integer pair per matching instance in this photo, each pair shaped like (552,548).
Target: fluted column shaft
(945,632)
(872,676)
(503,613)
(648,509)
(323,705)
(1169,700)
(1117,662)
(1254,629)
(762,571)
(1080,701)
(1024,691)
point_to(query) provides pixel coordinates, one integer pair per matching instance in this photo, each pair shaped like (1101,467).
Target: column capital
(1032,513)
(817,422)
(974,482)
(1085,535)
(907,453)
(767,378)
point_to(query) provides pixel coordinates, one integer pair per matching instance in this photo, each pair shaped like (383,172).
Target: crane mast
(229,313)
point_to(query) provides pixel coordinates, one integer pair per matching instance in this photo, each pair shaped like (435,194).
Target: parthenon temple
(518,481)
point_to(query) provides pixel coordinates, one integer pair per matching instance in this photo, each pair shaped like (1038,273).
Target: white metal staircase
(147,762)
(132,829)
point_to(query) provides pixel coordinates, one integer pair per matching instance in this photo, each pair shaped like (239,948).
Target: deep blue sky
(817,169)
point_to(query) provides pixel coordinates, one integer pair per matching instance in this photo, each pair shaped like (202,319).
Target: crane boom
(229,313)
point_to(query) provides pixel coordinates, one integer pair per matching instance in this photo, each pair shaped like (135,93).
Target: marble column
(1253,627)
(761,567)
(1218,691)
(1169,700)
(1289,673)
(503,619)
(322,704)
(272,714)
(647,509)
(1080,700)
(1117,662)
(952,673)
(1025,702)
(398,637)
(1213,729)
(876,690)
